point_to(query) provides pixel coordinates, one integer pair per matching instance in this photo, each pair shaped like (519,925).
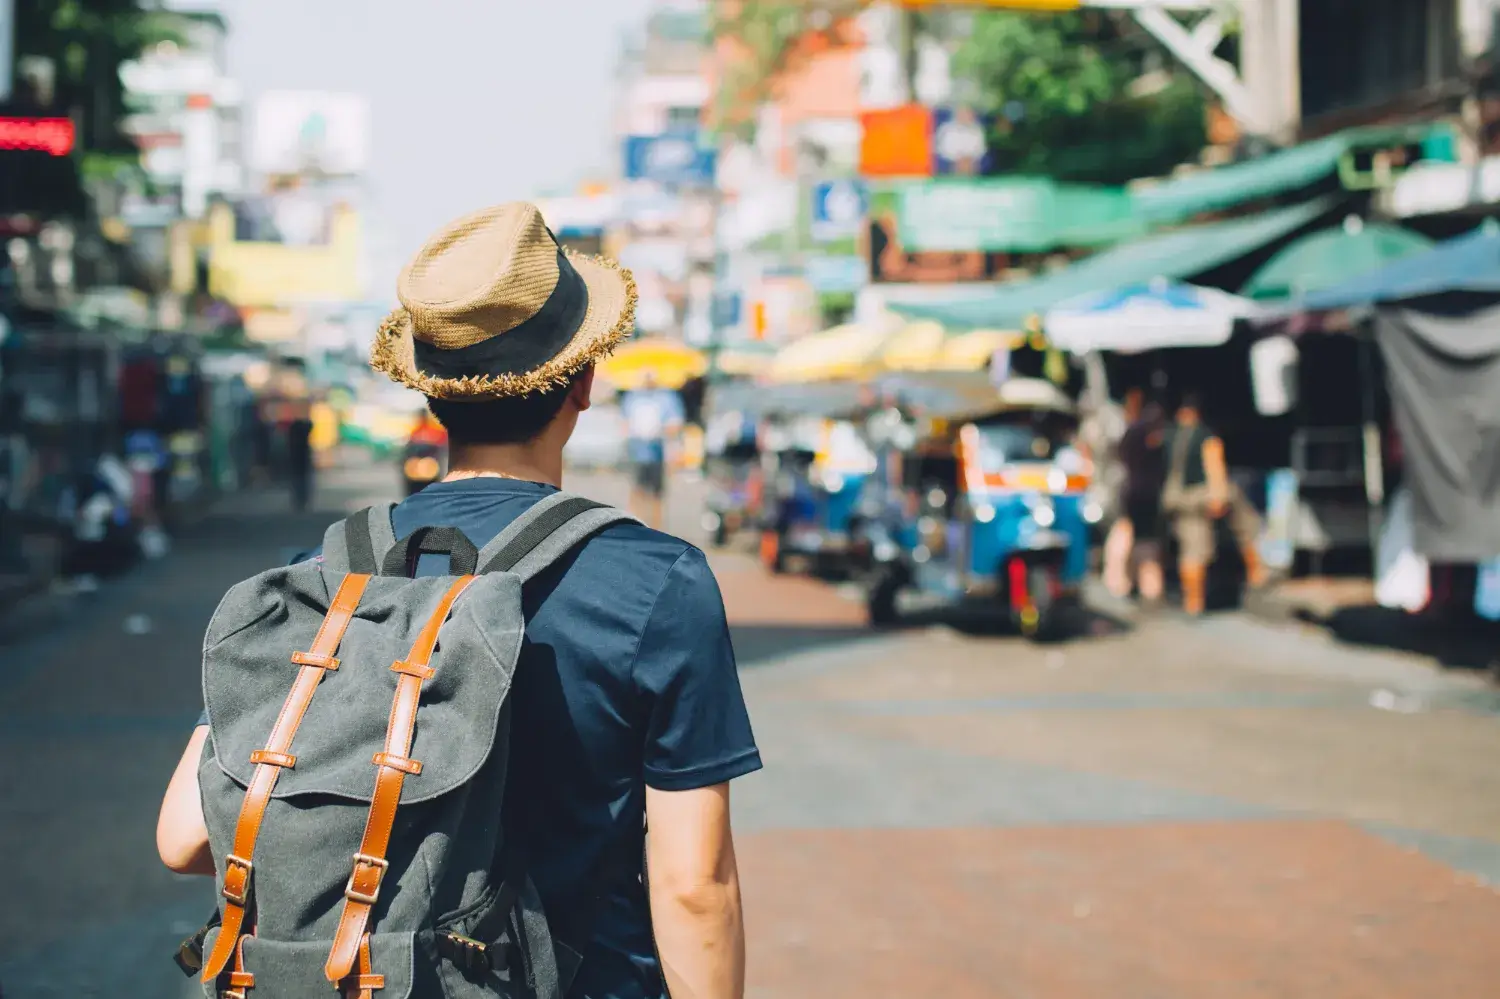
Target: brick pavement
(1171,812)
(1180,811)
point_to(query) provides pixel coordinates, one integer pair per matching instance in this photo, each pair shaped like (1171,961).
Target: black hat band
(523,348)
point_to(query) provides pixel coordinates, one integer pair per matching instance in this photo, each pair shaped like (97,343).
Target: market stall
(1429,326)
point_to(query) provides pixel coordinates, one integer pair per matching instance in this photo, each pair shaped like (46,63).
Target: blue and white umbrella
(1144,317)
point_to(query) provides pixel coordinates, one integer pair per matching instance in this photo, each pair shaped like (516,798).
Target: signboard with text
(960,142)
(893,259)
(674,159)
(838,209)
(310,131)
(1009,215)
(829,273)
(896,142)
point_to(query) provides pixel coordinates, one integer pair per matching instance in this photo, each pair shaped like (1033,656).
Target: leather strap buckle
(317,659)
(419,670)
(239,869)
(271,758)
(401,763)
(380,865)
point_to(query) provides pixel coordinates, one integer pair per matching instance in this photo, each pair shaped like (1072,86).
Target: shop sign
(896,142)
(839,208)
(727,307)
(48,135)
(827,273)
(675,159)
(999,215)
(960,142)
(980,215)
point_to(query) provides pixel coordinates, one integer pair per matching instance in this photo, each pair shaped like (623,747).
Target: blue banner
(839,208)
(726,309)
(674,159)
(960,142)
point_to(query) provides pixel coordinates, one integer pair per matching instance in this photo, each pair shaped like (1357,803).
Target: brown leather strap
(238,866)
(392,767)
(364,984)
(239,978)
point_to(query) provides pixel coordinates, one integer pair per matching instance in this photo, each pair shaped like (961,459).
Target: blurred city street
(1224,808)
(1090,410)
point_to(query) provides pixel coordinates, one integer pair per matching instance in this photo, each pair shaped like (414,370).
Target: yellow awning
(743,362)
(671,361)
(915,347)
(850,351)
(972,351)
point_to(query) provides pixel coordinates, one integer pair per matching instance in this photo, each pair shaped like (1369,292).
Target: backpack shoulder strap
(359,543)
(549,530)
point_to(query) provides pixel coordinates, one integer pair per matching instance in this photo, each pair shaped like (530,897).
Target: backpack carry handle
(463,557)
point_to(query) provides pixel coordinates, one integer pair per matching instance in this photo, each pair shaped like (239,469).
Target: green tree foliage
(1060,86)
(86,41)
(765,35)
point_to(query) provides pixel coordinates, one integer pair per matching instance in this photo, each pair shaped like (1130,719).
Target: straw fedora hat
(493,307)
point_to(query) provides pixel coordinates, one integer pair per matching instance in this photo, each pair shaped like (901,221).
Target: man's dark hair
(514,420)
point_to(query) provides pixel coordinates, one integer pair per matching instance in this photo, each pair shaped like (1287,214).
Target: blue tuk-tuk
(817,467)
(992,506)
(732,461)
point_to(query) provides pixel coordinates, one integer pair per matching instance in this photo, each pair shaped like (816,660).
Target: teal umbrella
(1329,258)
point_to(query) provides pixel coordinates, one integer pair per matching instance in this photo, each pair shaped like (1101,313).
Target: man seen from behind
(628,713)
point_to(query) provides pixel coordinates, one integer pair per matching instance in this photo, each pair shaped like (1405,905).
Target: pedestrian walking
(1135,538)
(654,419)
(1196,494)
(568,705)
(299,454)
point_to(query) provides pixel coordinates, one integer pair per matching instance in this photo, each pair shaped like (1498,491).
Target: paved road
(1226,809)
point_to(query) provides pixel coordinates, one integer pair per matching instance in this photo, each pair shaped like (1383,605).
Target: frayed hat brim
(610,319)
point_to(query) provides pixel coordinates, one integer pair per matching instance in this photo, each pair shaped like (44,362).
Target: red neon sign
(51,135)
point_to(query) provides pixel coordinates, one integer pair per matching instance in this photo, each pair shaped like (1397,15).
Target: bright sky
(472,101)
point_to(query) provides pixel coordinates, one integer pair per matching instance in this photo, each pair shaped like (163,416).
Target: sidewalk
(98,694)
(1348,610)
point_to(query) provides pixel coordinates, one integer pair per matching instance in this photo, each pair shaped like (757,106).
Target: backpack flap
(247,672)
(295,970)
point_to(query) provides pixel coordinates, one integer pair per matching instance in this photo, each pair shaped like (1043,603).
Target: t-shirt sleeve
(698,729)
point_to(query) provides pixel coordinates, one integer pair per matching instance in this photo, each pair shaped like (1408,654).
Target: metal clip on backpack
(354,799)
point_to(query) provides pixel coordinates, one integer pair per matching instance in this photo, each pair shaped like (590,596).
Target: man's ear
(583,388)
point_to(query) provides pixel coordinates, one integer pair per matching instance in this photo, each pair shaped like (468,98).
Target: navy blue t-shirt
(628,679)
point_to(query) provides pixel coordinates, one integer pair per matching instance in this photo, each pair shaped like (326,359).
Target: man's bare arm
(181,835)
(695,893)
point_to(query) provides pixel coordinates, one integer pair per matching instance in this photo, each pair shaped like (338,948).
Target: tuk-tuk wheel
(771,554)
(880,601)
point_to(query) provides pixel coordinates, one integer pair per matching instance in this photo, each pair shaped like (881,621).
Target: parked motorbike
(421,466)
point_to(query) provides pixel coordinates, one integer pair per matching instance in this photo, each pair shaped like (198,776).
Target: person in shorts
(1144,464)
(1197,494)
(654,418)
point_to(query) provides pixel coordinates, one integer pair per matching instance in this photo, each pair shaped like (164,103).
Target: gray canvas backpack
(355,774)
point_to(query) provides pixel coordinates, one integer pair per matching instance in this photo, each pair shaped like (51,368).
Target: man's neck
(530,462)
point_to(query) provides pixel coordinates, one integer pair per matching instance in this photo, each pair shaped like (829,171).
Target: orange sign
(896,143)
